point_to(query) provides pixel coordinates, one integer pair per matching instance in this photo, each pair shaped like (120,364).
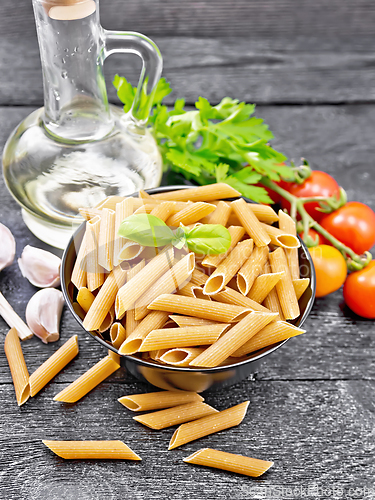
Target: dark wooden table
(311,68)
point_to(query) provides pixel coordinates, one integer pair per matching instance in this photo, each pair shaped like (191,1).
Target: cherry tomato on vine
(318,184)
(330,269)
(359,291)
(315,236)
(353,224)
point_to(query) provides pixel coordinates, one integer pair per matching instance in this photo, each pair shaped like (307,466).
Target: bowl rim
(263,352)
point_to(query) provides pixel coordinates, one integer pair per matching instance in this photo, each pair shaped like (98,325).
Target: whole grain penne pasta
(182,337)
(180,356)
(209,425)
(191,321)
(201,193)
(284,288)
(169,282)
(106,239)
(264,213)
(281,238)
(123,209)
(251,224)
(110,202)
(287,224)
(176,415)
(236,234)
(199,308)
(117,334)
(85,299)
(230,296)
(164,210)
(270,334)
(144,195)
(152,202)
(159,400)
(239,464)
(129,251)
(105,298)
(251,269)
(130,322)
(53,365)
(220,215)
(263,285)
(198,277)
(89,213)
(86,382)
(272,300)
(10,316)
(17,365)
(300,285)
(153,321)
(79,275)
(229,267)
(86,450)
(187,290)
(233,339)
(129,293)
(191,214)
(95,274)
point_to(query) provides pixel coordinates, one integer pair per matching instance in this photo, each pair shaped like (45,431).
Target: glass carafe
(78,149)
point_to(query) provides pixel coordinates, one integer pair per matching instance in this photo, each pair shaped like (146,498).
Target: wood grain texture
(287,51)
(312,402)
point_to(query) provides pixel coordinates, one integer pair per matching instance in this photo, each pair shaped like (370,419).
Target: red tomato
(353,224)
(315,236)
(318,184)
(330,269)
(359,291)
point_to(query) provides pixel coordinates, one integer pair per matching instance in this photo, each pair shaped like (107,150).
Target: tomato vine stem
(354,261)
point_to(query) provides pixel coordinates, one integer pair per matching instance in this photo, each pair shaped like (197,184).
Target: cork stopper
(69,10)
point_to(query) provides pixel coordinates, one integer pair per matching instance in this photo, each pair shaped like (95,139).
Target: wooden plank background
(310,66)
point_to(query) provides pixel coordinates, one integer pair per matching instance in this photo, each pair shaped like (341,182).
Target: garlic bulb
(40,267)
(7,247)
(43,313)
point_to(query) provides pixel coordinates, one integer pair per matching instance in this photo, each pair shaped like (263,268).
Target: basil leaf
(208,239)
(146,229)
(179,238)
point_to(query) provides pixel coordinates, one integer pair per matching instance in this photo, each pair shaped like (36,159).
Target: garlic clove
(43,313)
(40,267)
(7,247)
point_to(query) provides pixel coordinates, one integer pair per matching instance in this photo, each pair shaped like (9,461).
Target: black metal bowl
(188,379)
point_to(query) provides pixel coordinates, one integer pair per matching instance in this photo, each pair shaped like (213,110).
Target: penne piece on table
(89,450)
(209,425)
(239,464)
(17,365)
(53,365)
(158,400)
(86,382)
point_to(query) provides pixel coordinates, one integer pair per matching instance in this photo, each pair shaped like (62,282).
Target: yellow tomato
(330,269)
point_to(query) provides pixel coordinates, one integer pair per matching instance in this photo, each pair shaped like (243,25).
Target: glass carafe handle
(152,65)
